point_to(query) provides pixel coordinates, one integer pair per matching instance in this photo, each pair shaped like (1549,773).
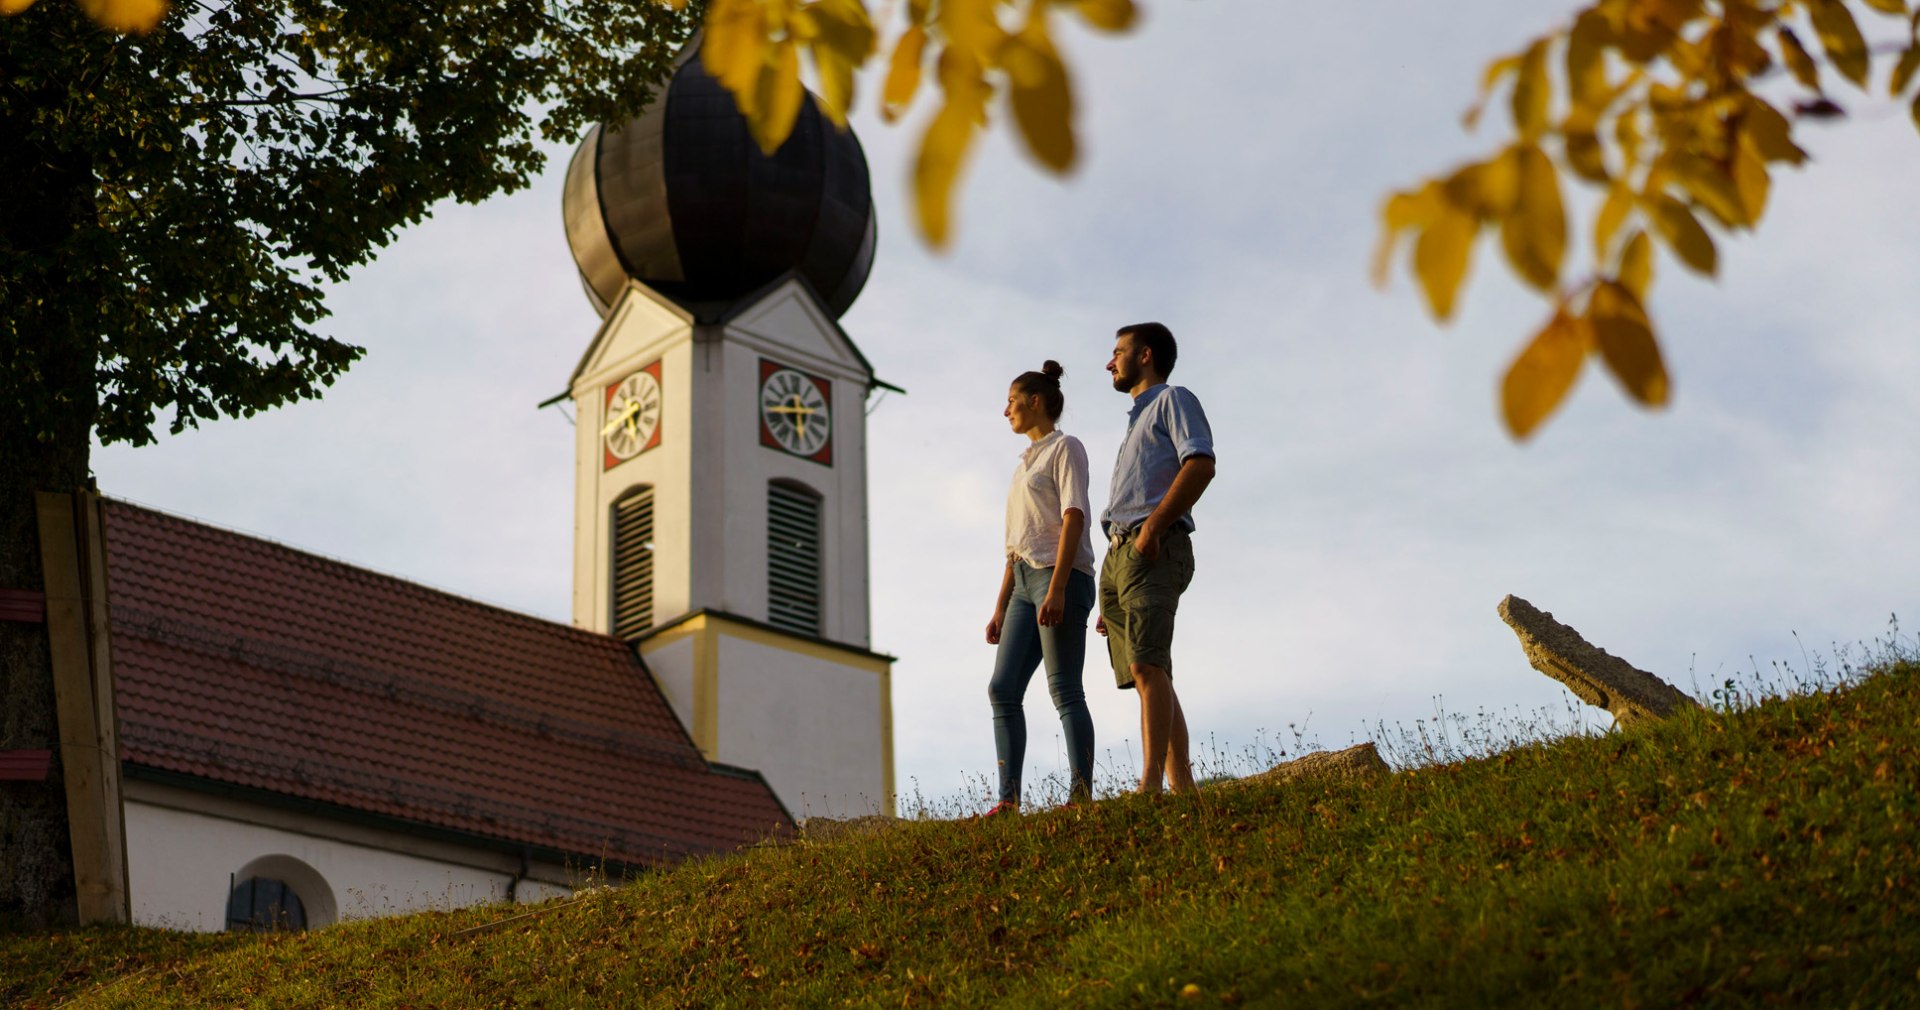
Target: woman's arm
(1000,606)
(1055,604)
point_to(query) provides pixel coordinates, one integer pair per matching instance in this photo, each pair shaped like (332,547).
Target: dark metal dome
(682,200)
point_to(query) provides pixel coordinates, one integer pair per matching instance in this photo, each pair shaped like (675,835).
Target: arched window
(279,892)
(793,558)
(633,563)
(263,905)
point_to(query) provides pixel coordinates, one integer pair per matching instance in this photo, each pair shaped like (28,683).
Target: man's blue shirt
(1165,428)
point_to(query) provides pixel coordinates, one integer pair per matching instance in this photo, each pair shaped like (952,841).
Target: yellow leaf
(125,15)
(1915,109)
(777,99)
(1772,135)
(1402,212)
(1636,265)
(1840,37)
(1613,214)
(1487,189)
(1441,257)
(1712,188)
(1902,72)
(944,148)
(1626,343)
(1586,61)
(1669,14)
(1108,15)
(1535,234)
(736,47)
(1888,6)
(1750,177)
(1539,378)
(1041,97)
(1798,59)
(1531,92)
(973,27)
(903,73)
(840,40)
(1682,233)
(1489,78)
(1584,154)
(8,7)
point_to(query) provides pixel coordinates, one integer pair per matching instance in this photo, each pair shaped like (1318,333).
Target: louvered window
(793,559)
(633,563)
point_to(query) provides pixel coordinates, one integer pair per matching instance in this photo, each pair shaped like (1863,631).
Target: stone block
(1591,673)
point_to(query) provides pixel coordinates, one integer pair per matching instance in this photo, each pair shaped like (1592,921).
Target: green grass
(1761,854)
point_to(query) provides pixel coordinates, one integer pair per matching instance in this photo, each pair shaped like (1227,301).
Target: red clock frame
(609,459)
(767,368)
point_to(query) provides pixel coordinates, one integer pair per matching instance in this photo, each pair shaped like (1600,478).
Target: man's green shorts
(1138,598)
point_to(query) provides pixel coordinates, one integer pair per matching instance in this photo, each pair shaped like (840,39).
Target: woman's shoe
(1004,808)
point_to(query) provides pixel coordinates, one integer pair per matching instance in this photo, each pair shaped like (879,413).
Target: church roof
(248,664)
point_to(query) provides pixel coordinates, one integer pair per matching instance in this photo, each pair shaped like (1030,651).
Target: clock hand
(625,416)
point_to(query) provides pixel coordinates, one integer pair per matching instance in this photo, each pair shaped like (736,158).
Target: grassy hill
(1762,855)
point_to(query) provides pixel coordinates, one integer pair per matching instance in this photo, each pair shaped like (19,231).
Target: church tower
(721,484)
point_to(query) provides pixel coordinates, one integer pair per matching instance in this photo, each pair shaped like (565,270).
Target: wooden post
(73,557)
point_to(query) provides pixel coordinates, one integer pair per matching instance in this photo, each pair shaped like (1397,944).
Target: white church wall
(182,863)
(830,769)
(670,658)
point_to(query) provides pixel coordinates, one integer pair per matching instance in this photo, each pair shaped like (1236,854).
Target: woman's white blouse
(1051,478)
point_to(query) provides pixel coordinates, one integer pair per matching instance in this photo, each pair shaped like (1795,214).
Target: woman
(1047,589)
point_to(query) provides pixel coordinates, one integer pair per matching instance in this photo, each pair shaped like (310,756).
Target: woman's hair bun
(1052,370)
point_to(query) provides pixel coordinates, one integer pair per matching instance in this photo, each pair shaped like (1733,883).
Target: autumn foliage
(1658,105)
(975,50)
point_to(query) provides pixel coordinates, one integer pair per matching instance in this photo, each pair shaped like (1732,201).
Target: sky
(1370,511)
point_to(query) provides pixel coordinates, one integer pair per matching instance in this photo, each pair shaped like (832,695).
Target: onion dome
(682,200)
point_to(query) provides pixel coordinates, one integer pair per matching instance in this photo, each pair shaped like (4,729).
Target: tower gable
(787,316)
(640,324)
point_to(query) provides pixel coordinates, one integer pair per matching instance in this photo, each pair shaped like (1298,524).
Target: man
(1165,462)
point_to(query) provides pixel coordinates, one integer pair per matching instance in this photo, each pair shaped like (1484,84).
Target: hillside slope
(1756,857)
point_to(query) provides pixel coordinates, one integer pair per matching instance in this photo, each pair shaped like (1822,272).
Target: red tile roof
(247,663)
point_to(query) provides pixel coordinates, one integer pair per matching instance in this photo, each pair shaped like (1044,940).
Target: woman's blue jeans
(1024,644)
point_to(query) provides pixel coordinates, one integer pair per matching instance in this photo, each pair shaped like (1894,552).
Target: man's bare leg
(1179,768)
(1157,708)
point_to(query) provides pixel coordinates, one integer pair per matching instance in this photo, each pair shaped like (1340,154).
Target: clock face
(794,414)
(633,416)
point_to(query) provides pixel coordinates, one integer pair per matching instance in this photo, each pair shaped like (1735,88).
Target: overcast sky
(1369,510)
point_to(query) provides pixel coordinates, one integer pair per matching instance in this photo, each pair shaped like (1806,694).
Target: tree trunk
(49,399)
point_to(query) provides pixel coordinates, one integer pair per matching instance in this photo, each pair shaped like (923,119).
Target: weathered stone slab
(1591,673)
(1358,761)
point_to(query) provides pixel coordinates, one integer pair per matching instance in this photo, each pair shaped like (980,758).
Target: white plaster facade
(186,849)
(811,714)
